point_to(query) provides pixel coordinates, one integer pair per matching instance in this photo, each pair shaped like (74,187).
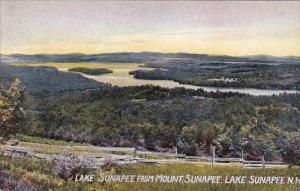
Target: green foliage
(91,71)
(33,174)
(47,81)
(220,74)
(35,139)
(37,174)
(166,118)
(291,151)
(11,111)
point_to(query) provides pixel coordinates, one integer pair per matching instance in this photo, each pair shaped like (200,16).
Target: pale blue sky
(224,27)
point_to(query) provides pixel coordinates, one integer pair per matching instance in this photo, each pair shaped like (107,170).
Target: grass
(52,146)
(83,64)
(205,170)
(41,173)
(40,140)
(38,174)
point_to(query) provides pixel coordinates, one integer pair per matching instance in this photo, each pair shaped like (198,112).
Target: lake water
(120,77)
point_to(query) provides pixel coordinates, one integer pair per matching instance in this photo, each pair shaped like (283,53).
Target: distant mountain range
(142,57)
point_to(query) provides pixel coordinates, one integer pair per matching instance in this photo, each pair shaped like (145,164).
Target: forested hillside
(161,119)
(261,71)
(223,74)
(155,118)
(143,57)
(46,81)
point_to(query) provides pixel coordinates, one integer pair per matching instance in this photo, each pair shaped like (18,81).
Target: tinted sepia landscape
(109,98)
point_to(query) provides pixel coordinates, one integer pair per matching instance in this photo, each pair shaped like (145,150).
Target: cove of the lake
(121,77)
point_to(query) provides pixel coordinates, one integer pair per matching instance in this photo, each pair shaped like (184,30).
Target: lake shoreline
(123,79)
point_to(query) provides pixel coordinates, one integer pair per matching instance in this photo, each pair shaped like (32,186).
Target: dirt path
(102,154)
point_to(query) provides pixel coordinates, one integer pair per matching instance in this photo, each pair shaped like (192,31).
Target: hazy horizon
(233,28)
(140,52)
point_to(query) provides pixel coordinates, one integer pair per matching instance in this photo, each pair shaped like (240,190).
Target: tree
(11,111)
(291,152)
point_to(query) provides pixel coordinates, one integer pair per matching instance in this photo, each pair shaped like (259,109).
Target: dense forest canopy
(47,81)
(219,74)
(155,118)
(91,71)
(161,119)
(261,71)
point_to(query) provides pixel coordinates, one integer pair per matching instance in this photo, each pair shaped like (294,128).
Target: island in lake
(149,95)
(91,71)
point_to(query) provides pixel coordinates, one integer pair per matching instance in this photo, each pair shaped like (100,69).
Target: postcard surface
(149,95)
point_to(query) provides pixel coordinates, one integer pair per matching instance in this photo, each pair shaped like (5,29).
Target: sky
(217,27)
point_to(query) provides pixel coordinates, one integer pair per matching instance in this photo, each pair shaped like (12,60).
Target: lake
(120,77)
